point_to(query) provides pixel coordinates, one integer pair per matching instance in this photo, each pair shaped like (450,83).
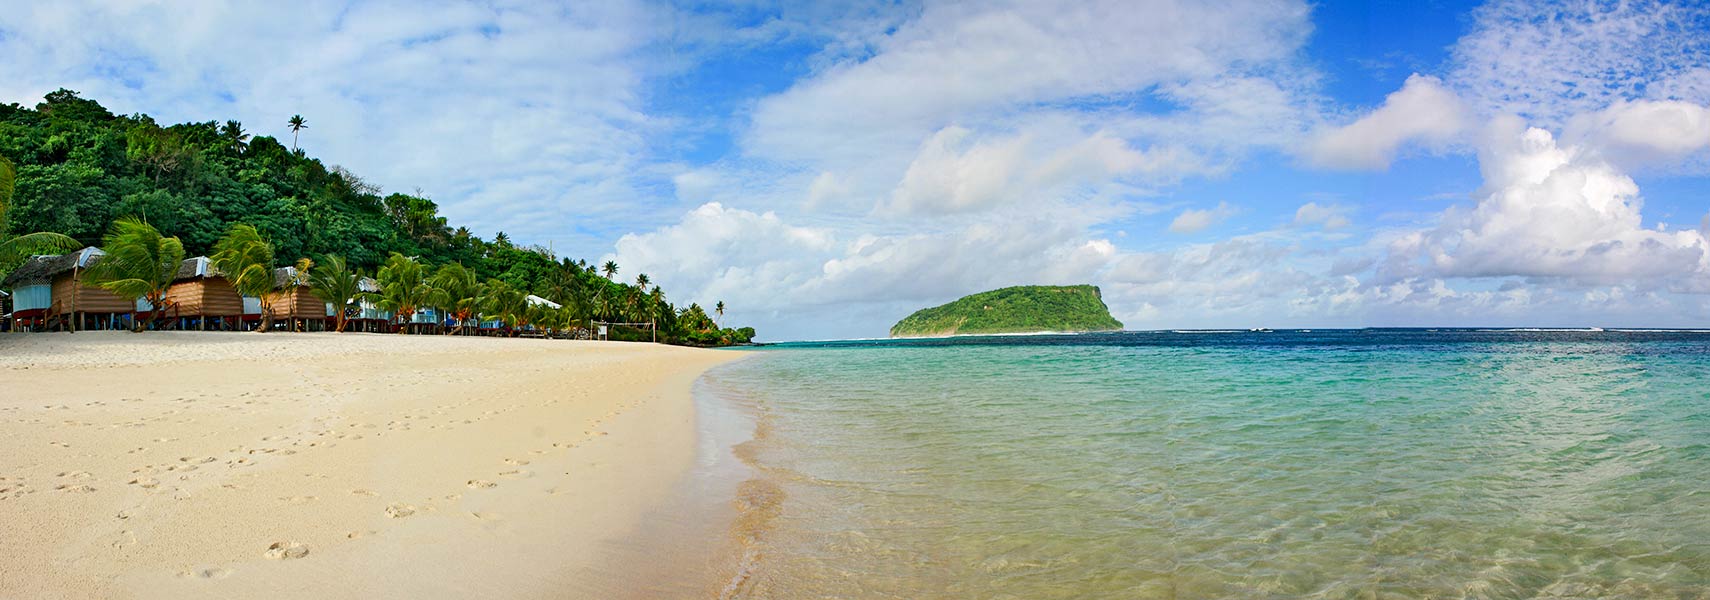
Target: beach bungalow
(293,304)
(366,315)
(50,291)
(203,299)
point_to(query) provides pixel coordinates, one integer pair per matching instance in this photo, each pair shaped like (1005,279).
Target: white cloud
(1553,213)
(1195,220)
(1328,216)
(1549,61)
(1644,132)
(1421,111)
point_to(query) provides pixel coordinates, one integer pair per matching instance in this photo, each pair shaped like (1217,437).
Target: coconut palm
(457,292)
(719,309)
(297,123)
(235,136)
(138,262)
(403,287)
(245,259)
(335,283)
(610,268)
(16,248)
(503,302)
(641,281)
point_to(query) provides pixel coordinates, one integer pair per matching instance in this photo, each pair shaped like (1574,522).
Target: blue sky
(826,169)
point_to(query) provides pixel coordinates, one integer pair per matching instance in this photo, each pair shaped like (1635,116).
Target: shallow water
(1364,464)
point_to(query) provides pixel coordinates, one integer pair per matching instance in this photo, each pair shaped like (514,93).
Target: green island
(1020,309)
(73,174)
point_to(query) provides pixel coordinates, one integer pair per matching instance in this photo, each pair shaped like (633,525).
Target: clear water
(1349,464)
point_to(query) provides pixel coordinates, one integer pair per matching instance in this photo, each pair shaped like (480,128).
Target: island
(1019,309)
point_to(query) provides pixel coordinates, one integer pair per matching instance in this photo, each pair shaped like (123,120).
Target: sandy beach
(208,465)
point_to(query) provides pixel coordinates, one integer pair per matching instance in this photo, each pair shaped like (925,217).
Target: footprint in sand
(75,474)
(361,492)
(287,550)
(299,500)
(515,462)
(359,534)
(400,510)
(515,474)
(147,483)
(206,573)
(81,489)
(480,484)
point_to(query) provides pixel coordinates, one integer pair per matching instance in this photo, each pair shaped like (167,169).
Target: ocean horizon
(1389,463)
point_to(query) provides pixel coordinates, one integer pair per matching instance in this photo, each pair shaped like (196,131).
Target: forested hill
(78,167)
(1022,309)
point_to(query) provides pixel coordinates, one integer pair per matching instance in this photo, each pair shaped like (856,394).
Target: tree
(403,287)
(14,249)
(335,283)
(138,262)
(641,281)
(610,268)
(457,292)
(504,302)
(245,259)
(235,137)
(719,310)
(297,124)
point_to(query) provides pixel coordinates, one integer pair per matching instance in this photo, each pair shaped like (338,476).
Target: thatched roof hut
(54,285)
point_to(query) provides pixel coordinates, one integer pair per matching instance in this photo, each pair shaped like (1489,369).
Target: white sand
(236,465)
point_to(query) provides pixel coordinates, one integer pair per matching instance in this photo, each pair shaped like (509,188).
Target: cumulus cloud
(1554,213)
(1422,111)
(1644,132)
(1194,220)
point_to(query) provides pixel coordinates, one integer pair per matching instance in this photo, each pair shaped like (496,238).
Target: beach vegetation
(404,288)
(138,263)
(1020,309)
(335,283)
(245,259)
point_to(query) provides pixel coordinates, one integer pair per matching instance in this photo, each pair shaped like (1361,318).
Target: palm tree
(297,124)
(610,268)
(719,308)
(641,281)
(503,302)
(334,283)
(235,136)
(245,259)
(16,248)
(403,287)
(138,263)
(457,292)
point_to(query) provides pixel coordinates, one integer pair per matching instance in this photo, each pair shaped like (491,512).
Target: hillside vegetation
(1021,309)
(70,166)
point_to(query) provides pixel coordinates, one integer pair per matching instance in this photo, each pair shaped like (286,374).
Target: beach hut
(293,303)
(51,291)
(203,299)
(365,315)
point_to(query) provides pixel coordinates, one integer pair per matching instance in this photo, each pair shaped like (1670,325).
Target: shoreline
(200,464)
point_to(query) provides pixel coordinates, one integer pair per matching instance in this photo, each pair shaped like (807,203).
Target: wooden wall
(206,296)
(90,299)
(298,303)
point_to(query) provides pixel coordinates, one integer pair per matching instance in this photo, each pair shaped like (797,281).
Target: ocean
(1286,464)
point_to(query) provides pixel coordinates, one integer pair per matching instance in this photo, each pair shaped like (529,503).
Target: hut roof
(537,300)
(42,269)
(282,277)
(192,268)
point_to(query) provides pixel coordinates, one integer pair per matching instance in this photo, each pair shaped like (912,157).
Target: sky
(827,168)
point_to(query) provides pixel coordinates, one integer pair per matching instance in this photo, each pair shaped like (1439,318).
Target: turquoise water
(1399,464)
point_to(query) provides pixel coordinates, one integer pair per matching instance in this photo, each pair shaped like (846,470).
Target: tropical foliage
(245,259)
(137,262)
(79,167)
(1021,309)
(334,283)
(14,249)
